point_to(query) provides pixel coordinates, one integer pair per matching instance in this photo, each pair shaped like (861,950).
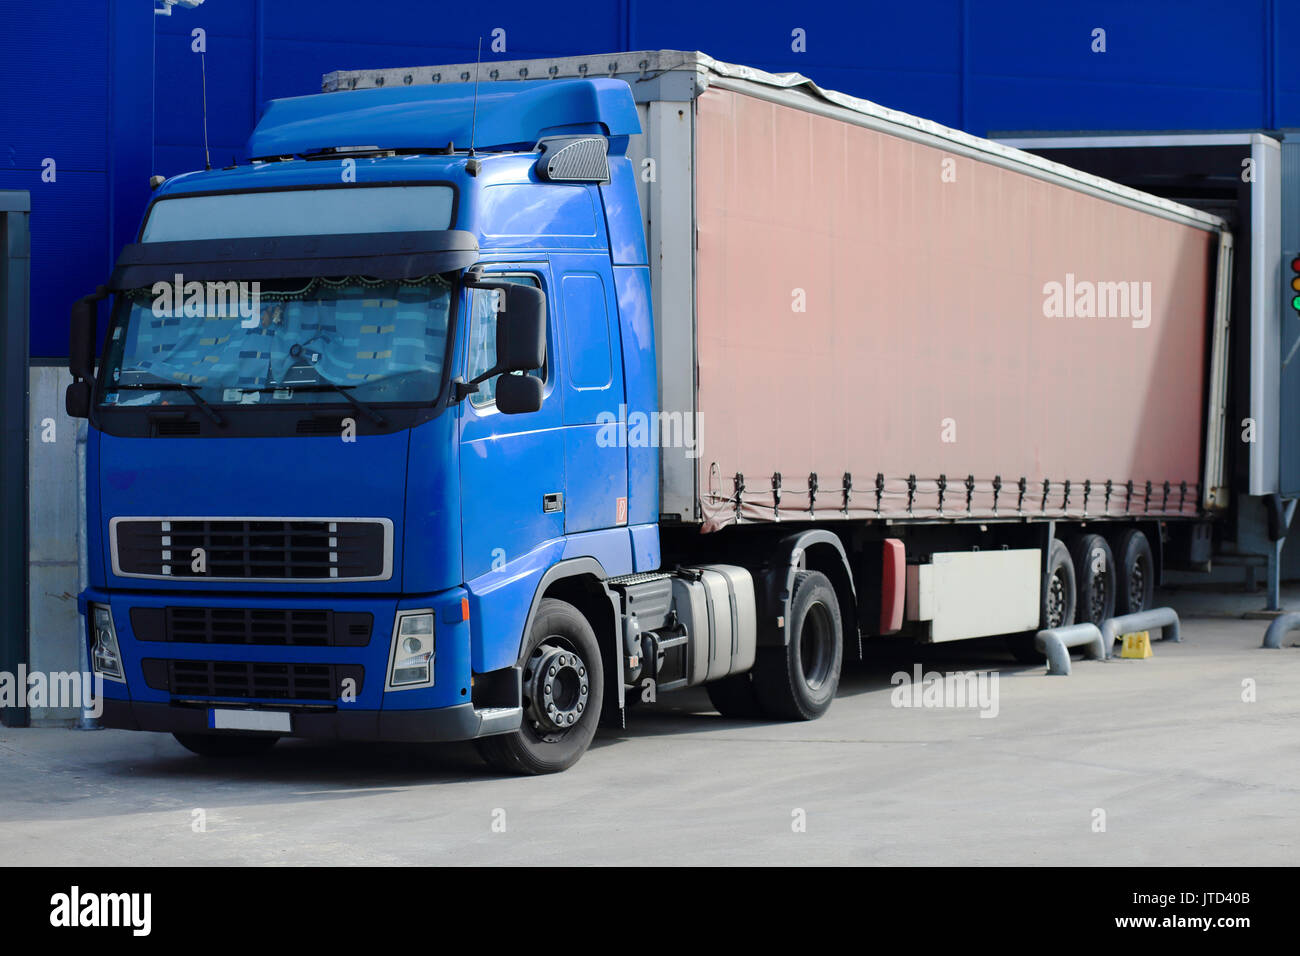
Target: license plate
(272,721)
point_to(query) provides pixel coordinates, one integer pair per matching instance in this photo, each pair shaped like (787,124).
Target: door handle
(552,502)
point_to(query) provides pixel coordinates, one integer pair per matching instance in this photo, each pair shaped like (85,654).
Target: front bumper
(459,722)
(458,705)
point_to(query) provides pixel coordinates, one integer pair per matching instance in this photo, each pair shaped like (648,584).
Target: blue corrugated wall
(110,93)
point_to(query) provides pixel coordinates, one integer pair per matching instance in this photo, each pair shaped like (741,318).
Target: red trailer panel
(868,305)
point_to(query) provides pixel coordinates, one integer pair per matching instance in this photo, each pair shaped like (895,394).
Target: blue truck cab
(358,463)
(324,507)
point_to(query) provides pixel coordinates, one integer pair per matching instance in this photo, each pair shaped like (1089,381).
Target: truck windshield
(288,341)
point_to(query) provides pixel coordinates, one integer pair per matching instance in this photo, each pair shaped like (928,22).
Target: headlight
(410,662)
(105,657)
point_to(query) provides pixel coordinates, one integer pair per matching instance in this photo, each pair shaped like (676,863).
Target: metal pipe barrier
(1056,641)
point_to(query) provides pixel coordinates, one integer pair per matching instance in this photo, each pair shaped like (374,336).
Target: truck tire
(563,687)
(1094,576)
(227,745)
(1056,603)
(734,697)
(798,681)
(1135,573)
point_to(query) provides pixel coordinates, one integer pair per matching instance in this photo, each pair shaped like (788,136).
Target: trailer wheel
(798,681)
(1135,573)
(226,745)
(734,697)
(1094,575)
(563,686)
(1056,603)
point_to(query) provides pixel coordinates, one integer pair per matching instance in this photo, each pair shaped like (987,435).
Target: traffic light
(1295,283)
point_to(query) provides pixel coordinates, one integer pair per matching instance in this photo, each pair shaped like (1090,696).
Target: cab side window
(483,338)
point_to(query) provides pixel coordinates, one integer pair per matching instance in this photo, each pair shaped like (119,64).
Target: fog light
(411,660)
(105,657)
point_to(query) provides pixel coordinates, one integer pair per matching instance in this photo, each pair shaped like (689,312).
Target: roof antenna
(207,162)
(472,164)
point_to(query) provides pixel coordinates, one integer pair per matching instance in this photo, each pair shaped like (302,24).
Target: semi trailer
(486,403)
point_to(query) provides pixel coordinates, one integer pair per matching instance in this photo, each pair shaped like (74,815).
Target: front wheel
(563,687)
(798,681)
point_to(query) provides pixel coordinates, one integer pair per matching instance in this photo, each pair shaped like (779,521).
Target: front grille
(252,679)
(279,627)
(265,549)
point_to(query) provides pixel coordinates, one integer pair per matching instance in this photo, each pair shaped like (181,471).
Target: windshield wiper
(191,390)
(359,405)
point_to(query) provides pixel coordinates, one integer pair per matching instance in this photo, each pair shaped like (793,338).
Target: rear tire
(226,745)
(1056,603)
(1135,573)
(1094,575)
(563,688)
(798,681)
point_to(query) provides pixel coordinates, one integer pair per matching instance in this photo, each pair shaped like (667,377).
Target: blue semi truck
(413,427)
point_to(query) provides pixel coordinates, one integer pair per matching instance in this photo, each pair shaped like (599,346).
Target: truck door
(512,466)
(595,439)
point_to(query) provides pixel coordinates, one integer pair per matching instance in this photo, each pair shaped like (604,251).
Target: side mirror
(81,353)
(81,345)
(76,400)
(519,394)
(521,329)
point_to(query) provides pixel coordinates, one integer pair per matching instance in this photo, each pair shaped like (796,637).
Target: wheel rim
(1056,600)
(817,645)
(556,688)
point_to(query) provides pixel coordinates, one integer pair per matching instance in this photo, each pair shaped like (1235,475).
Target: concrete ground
(1158,761)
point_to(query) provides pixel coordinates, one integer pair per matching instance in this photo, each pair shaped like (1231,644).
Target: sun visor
(398,255)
